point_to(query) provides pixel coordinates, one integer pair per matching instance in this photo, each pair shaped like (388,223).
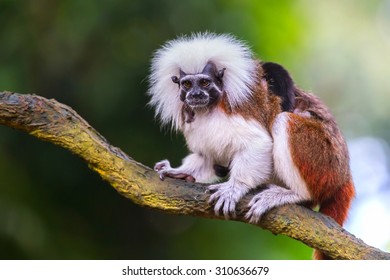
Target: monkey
(246,120)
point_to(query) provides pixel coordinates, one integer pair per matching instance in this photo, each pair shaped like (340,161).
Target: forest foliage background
(94,56)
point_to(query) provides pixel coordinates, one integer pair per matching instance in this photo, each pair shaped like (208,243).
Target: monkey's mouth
(197,103)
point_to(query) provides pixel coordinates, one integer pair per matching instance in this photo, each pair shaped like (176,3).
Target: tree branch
(52,121)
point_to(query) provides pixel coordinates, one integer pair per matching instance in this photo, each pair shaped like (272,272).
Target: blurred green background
(94,56)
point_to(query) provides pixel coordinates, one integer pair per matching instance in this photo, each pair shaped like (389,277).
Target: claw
(251,217)
(213,187)
(257,207)
(218,206)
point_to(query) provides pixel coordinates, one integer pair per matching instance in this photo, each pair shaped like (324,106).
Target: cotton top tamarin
(246,119)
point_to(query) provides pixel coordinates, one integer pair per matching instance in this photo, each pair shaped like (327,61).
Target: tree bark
(54,122)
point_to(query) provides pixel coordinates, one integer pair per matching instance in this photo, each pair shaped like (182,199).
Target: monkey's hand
(164,169)
(226,195)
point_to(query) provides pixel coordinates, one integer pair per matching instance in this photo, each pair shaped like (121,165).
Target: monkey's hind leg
(285,169)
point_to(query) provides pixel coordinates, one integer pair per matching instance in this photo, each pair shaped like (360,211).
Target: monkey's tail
(337,208)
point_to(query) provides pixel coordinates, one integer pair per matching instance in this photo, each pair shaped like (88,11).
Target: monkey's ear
(182,74)
(220,73)
(175,79)
(210,69)
(280,83)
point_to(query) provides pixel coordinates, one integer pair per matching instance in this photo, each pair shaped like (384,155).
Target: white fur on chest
(219,136)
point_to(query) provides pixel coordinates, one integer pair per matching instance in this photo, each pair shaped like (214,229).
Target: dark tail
(337,208)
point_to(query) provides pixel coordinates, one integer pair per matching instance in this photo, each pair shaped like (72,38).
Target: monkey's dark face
(200,90)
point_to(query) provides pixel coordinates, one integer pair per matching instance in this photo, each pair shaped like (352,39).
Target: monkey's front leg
(249,169)
(194,168)
(165,170)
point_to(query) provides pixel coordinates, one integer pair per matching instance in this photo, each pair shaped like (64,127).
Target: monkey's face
(200,90)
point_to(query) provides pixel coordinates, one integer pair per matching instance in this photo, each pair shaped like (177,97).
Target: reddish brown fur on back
(261,106)
(319,151)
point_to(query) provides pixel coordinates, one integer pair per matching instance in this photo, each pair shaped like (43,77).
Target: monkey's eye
(204,83)
(186,84)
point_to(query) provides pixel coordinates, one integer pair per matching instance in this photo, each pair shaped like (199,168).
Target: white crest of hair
(190,54)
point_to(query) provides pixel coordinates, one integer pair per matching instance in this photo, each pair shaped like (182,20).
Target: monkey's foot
(257,207)
(226,195)
(164,169)
(269,198)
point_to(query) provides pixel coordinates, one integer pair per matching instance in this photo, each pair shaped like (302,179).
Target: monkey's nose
(198,95)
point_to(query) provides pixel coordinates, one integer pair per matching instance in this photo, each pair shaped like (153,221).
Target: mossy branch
(54,122)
